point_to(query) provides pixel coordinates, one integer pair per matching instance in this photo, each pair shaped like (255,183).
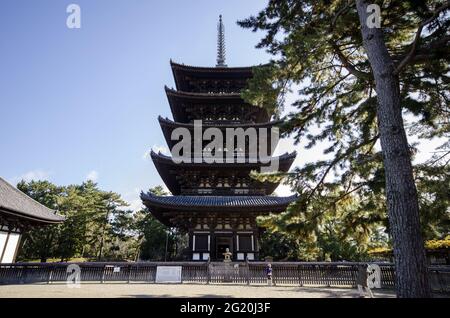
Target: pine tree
(355,88)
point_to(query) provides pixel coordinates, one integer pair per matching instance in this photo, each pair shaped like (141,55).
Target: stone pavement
(141,290)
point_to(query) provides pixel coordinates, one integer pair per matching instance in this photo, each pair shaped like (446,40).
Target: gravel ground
(118,290)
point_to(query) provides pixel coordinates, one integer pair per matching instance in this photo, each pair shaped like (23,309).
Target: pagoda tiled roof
(170,171)
(209,203)
(179,100)
(284,158)
(168,126)
(202,96)
(210,69)
(224,73)
(219,124)
(168,208)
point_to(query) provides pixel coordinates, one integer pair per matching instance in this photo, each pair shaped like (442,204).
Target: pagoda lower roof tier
(188,106)
(187,176)
(210,79)
(218,203)
(168,126)
(168,208)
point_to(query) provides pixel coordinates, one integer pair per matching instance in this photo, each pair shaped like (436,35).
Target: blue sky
(83,103)
(79,102)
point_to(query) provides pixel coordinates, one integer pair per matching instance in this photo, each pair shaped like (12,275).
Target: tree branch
(336,48)
(346,63)
(416,41)
(337,160)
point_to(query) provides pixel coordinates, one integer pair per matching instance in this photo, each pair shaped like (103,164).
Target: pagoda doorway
(222,243)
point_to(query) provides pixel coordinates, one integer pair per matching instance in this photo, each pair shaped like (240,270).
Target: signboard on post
(168,274)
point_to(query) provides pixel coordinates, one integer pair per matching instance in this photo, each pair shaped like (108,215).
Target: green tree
(433,180)
(279,246)
(78,208)
(41,242)
(95,220)
(153,237)
(157,241)
(354,87)
(328,229)
(112,204)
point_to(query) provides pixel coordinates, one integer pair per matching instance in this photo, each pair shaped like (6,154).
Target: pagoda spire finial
(220,44)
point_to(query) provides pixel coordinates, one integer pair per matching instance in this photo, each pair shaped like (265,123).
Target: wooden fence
(284,273)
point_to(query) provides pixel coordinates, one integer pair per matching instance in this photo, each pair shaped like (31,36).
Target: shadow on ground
(280,292)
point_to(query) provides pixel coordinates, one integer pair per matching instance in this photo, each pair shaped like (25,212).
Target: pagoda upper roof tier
(168,127)
(187,106)
(285,161)
(166,208)
(210,79)
(172,173)
(240,71)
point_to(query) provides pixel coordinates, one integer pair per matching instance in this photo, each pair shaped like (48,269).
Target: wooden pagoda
(216,203)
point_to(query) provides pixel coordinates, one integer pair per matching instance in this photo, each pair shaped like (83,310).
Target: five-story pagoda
(216,201)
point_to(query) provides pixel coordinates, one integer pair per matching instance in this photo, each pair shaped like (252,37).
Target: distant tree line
(99,226)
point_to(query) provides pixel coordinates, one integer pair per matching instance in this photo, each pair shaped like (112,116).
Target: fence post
(50,274)
(328,274)
(129,273)
(247,263)
(274,282)
(24,274)
(439,281)
(103,274)
(299,273)
(208,273)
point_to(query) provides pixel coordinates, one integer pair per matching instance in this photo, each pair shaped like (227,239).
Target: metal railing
(284,273)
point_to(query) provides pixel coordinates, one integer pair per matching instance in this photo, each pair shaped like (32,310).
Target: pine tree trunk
(102,240)
(401,194)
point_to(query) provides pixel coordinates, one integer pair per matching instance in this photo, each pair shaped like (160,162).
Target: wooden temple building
(216,203)
(18,214)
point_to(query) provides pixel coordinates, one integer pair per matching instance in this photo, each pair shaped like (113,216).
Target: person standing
(361,282)
(269,274)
